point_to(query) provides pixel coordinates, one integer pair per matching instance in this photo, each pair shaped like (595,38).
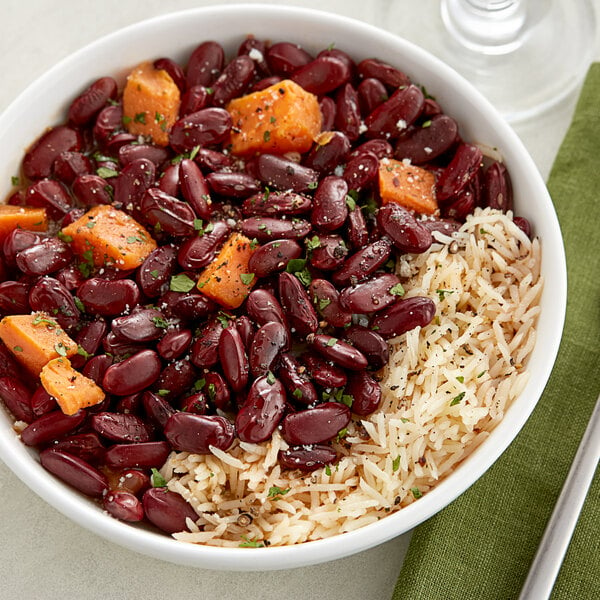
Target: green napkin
(481,546)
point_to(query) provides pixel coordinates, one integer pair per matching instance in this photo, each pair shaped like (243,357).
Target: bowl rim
(87,514)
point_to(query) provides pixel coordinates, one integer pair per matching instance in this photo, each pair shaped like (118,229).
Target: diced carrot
(35,340)
(105,235)
(72,390)
(281,118)
(21,217)
(226,280)
(151,102)
(406,184)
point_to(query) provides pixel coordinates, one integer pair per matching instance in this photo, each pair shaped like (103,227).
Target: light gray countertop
(45,556)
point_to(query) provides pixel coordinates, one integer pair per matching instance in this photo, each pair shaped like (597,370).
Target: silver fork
(559,530)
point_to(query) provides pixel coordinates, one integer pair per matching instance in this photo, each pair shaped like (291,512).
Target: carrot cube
(107,236)
(281,118)
(406,184)
(72,390)
(21,217)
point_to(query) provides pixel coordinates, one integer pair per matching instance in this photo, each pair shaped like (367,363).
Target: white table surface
(45,556)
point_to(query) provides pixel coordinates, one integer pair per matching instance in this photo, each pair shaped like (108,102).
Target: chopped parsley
(275,491)
(457,398)
(181,283)
(397,290)
(396,463)
(160,322)
(416,492)
(60,348)
(156,479)
(443,293)
(250,543)
(246,278)
(106,173)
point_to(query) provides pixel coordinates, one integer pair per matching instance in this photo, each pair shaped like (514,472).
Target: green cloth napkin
(481,546)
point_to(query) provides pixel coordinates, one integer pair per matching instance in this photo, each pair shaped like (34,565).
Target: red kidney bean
(365,391)
(371,295)
(340,55)
(42,402)
(260,414)
(48,256)
(92,190)
(234,361)
(463,203)
(123,506)
(74,471)
(17,398)
(327,251)
(269,341)
(141,325)
(403,316)
(134,481)
(174,343)
(371,93)
(51,195)
(266,229)
(361,170)
(356,229)
(295,379)
(51,426)
(120,427)
(14,298)
(273,257)
(194,188)
(155,154)
(86,446)
(167,510)
(390,76)
(171,215)
(157,409)
(156,270)
(142,455)
(380,148)
(307,459)
(186,306)
(174,71)
(205,63)
(108,298)
(324,373)
(8,363)
(119,348)
(38,160)
(322,75)
(362,263)
(196,433)
(296,304)
(132,182)
(69,165)
(326,299)
(431,108)
(196,404)
(233,185)
(444,226)
(256,50)
(264,83)
(72,216)
(205,127)
(96,367)
(195,98)
(246,329)
(113,146)
(338,351)
(51,296)
(330,150)
(461,169)
(283,174)
(108,122)
(347,117)
(276,203)
(176,378)
(428,141)
(89,103)
(217,390)
(129,405)
(234,81)
(205,349)
(285,58)
(497,191)
(329,209)
(524,225)
(315,425)
(133,374)
(370,343)
(17,240)
(392,117)
(168,180)
(407,234)
(328,109)
(263,307)
(212,160)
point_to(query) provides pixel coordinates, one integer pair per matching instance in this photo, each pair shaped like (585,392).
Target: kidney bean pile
(302,353)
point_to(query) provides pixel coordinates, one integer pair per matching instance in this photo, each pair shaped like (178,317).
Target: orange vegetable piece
(227,280)
(411,186)
(72,390)
(105,235)
(35,340)
(23,217)
(151,102)
(281,118)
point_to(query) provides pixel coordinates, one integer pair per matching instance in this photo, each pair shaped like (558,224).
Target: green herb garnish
(181,283)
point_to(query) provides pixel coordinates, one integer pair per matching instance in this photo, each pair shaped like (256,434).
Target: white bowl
(44,103)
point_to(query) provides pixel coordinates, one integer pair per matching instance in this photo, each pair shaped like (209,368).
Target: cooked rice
(446,386)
